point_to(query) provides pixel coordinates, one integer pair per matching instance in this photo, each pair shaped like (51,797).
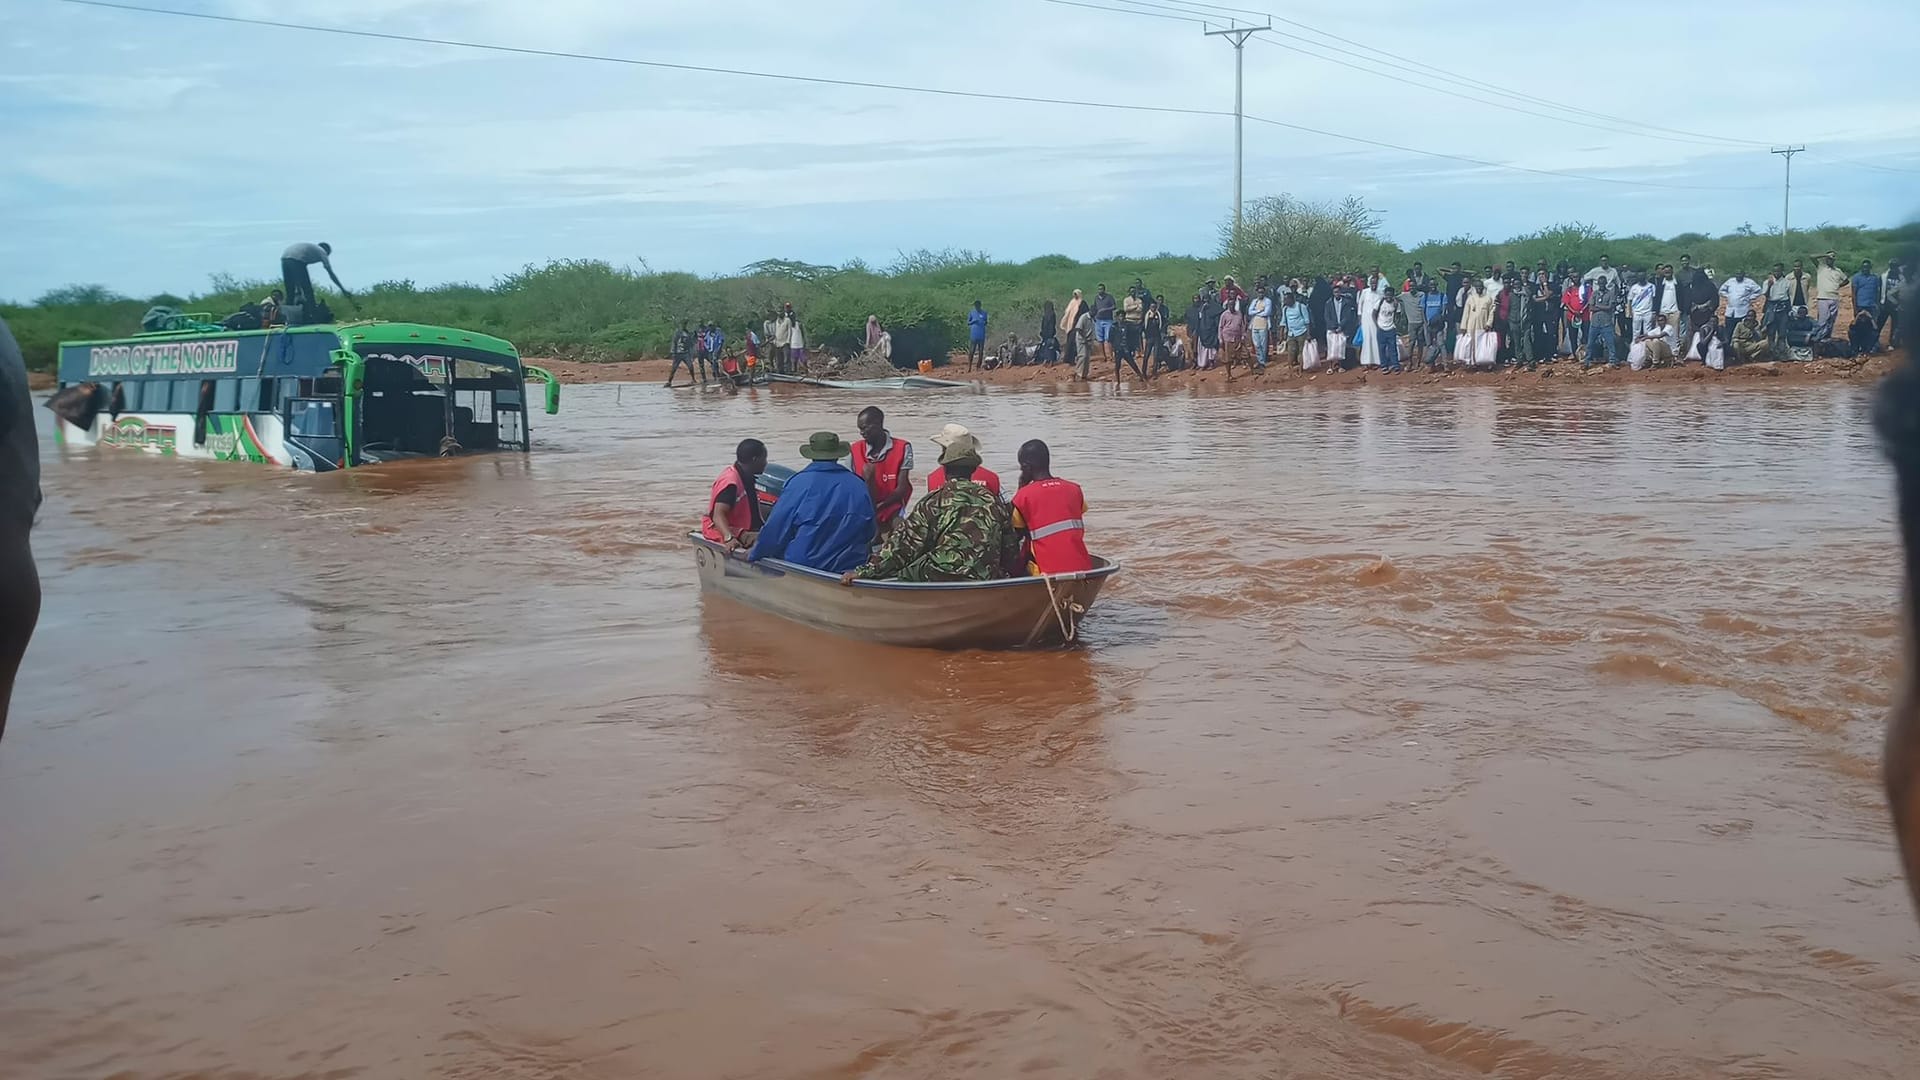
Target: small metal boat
(904,382)
(1013,613)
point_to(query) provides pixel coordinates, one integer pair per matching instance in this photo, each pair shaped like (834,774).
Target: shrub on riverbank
(589,310)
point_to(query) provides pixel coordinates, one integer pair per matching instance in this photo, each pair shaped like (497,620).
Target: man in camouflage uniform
(959,532)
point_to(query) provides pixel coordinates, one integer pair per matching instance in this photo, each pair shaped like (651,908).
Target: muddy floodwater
(1427,733)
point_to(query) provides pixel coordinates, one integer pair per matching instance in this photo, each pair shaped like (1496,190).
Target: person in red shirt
(981,474)
(886,464)
(1053,513)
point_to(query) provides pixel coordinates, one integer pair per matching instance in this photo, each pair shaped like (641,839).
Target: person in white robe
(1369,301)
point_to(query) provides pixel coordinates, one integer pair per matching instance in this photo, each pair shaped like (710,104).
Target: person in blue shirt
(1866,295)
(824,516)
(977,335)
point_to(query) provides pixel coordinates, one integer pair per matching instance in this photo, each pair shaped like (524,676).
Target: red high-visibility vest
(888,479)
(740,515)
(981,475)
(1052,511)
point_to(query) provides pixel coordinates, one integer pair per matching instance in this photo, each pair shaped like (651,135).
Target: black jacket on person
(1210,310)
(1318,297)
(1343,314)
(1695,288)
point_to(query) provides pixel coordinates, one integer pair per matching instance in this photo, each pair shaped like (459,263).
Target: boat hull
(1009,614)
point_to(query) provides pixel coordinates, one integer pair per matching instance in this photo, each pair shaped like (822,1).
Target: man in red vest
(949,435)
(885,463)
(1053,513)
(733,506)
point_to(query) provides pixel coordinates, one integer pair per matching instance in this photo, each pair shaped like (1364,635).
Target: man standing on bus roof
(293,271)
(19,501)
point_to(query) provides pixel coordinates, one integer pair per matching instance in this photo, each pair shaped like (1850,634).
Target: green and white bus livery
(321,397)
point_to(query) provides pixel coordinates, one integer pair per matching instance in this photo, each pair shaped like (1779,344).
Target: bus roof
(304,351)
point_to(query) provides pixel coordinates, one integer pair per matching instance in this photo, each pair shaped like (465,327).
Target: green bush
(592,310)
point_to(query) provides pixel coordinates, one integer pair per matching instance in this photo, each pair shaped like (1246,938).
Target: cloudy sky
(146,152)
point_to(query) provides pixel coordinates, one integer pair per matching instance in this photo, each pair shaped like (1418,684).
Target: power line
(558,54)
(1878,168)
(1496,164)
(865,85)
(1413,76)
(1433,78)
(1372,53)
(1127,11)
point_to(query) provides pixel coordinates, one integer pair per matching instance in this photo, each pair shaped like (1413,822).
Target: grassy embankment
(592,311)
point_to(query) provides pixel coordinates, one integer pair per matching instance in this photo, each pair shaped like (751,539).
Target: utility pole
(1238,35)
(1786,206)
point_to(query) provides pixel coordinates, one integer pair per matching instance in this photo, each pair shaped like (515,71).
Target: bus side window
(249,395)
(186,396)
(314,419)
(269,397)
(289,388)
(226,395)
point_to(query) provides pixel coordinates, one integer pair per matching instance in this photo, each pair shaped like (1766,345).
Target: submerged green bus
(322,397)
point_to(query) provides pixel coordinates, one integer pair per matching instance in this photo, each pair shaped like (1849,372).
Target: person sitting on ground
(1863,335)
(824,516)
(1702,339)
(1010,353)
(981,475)
(1750,342)
(1053,513)
(961,532)
(1176,352)
(1650,350)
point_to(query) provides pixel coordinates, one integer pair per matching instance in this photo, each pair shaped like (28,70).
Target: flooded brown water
(1427,733)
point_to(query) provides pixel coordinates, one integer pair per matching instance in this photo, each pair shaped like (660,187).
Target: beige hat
(962,448)
(949,433)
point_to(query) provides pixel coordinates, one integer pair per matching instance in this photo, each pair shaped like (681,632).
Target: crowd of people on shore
(707,356)
(1499,317)
(853,519)
(1456,319)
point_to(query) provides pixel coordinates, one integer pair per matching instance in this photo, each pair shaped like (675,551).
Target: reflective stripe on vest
(1071,524)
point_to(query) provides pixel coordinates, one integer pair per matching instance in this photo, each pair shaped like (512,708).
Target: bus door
(316,432)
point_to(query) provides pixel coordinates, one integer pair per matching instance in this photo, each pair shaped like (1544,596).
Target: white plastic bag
(1309,355)
(1716,356)
(1486,348)
(1463,349)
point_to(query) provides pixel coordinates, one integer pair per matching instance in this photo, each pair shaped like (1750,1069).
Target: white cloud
(207,146)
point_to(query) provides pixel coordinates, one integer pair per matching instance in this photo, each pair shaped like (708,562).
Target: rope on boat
(1068,630)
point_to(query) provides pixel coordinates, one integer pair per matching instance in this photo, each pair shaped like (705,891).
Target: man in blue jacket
(824,516)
